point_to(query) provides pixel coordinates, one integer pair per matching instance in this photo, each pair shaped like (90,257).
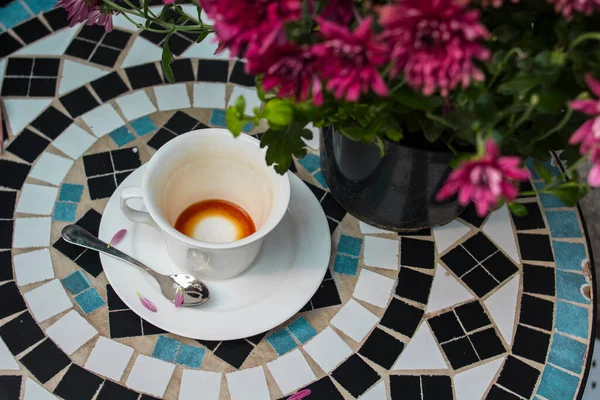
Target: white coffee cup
(209,164)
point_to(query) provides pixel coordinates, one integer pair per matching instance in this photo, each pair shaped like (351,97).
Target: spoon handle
(78,236)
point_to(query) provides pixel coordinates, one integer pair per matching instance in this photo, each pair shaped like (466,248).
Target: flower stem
(441,121)
(557,128)
(514,50)
(535,99)
(584,37)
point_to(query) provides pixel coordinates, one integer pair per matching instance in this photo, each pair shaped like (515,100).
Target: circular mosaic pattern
(495,308)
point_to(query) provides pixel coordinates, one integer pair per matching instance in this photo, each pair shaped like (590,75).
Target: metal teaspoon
(195,291)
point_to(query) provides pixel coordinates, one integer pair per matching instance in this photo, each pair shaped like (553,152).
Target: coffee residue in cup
(216,221)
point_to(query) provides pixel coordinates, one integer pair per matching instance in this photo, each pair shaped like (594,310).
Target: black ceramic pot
(394,192)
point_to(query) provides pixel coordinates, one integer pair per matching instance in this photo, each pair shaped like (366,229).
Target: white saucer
(284,277)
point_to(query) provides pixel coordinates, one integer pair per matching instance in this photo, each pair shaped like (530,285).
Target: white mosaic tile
(381,252)
(367,229)
(135,105)
(291,372)
(51,168)
(172,97)
(71,332)
(373,288)
(53,45)
(499,228)
(328,349)
(206,50)
(74,141)
(150,375)
(206,383)
(248,384)
(37,199)
(76,74)
(20,112)
(446,235)
(209,95)
(33,266)
(7,361)
(377,392)
(502,306)
(47,300)
(141,52)
(250,96)
(446,291)
(354,320)
(32,232)
(33,391)
(119,21)
(421,352)
(316,138)
(2,65)
(472,384)
(109,358)
(103,120)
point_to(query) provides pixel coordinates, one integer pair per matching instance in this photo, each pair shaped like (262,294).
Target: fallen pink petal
(179,298)
(147,303)
(300,395)
(117,237)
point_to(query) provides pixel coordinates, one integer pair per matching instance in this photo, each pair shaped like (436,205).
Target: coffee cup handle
(131,214)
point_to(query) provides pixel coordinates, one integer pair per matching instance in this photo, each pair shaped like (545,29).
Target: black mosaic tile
(91,32)
(355,375)
(182,70)
(124,324)
(120,177)
(149,329)
(497,393)
(479,281)
(6,272)
(212,71)
(480,246)
(46,67)
(459,260)
(116,38)
(446,327)
(239,76)
(470,216)
(536,312)
(142,76)
(538,279)
(256,338)
(472,316)
(6,233)
(154,37)
(181,122)
(31,30)
(17,176)
(7,203)
(79,102)
(57,18)
(460,353)
(178,44)
(10,387)
(525,187)
(160,138)
(102,187)
(405,387)
(15,86)
(69,250)
(42,87)
(531,344)
(105,56)
(52,122)
(518,377)
(436,387)
(80,49)
(487,343)
(146,397)
(382,348)
(500,266)
(54,360)
(21,333)
(234,352)
(8,44)
(332,208)
(417,253)
(91,221)
(109,86)
(402,317)
(78,384)
(420,232)
(413,285)
(535,247)
(114,391)
(533,219)
(97,164)
(12,301)
(209,344)
(332,225)
(126,159)
(113,299)
(326,295)
(307,307)
(324,389)
(90,262)
(17,66)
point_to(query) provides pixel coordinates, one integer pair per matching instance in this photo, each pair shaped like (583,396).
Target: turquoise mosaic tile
(349,245)
(166,348)
(321,179)
(217,118)
(281,341)
(13,14)
(70,192)
(345,265)
(571,319)
(89,301)
(568,286)
(310,162)
(302,329)
(190,356)
(64,212)
(77,282)
(548,200)
(248,127)
(569,256)
(567,353)
(121,136)
(143,126)
(557,384)
(37,6)
(554,171)
(563,224)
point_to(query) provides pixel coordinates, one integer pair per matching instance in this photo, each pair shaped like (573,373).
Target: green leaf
(542,172)
(235,122)
(505,33)
(240,104)
(569,196)
(417,101)
(394,134)
(458,159)
(431,130)
(283,144)
(518,209)
(353,132)
(519,85)
(202,36)
(381,145)
(167,59)
(199,10)
(278,112)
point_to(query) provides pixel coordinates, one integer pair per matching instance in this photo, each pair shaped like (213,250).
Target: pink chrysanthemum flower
(569,7)
(485,180)
(240,24)
(434,43)
(338,10)
(289,69)
(350,60)
(495,3)
(91,10)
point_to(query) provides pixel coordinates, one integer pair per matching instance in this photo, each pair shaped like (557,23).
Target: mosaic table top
(494,308)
